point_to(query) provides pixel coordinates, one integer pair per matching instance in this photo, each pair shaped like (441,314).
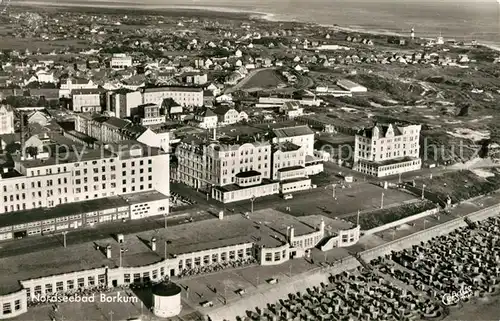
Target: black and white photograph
(250,160)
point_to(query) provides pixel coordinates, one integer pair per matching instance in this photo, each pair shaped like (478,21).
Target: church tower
(412,34)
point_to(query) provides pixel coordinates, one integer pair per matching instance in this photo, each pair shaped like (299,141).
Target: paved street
(37,243)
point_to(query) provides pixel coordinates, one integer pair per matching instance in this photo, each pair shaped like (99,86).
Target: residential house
(120,61)
(292,109)
(69,84)
(227,115)
(38,117)
(206,118)
(45,77)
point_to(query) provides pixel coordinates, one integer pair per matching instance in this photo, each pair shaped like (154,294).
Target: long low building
(143,257)
(64,217)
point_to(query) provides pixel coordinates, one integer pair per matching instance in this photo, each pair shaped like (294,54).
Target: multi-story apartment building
(6,120)
(86,100)
(231,170)
(387,149)
(123,102)
(299,135)
(120,61)
(80,175)
(107,129)
(184,96)
(149,114)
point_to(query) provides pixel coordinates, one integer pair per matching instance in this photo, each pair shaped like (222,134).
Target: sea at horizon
(462,20)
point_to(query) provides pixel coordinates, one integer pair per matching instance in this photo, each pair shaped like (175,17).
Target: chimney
(322,226)
(108,251)
(292,234)
(153,244)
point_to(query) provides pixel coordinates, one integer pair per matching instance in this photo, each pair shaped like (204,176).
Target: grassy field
(264,79)
(459,185)
(385,216)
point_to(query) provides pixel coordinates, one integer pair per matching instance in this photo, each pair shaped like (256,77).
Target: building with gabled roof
(206,118)
(387,149)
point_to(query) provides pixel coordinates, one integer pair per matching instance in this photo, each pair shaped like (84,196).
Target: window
(59,286)
(7,308)
(70,284)
(126,278)
(81,282)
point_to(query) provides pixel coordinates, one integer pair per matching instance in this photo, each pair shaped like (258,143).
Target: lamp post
(357,219)
(423,190)
(165,217)
(165,253)
(251,202)
(64,237)
(382,201)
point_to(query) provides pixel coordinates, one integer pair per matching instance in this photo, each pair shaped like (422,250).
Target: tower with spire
(412,33)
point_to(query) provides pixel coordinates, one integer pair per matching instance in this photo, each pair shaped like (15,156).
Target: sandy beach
(481,310)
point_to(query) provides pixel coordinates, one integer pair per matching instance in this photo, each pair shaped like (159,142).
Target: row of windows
(277,256)
(7,308)
(141,188)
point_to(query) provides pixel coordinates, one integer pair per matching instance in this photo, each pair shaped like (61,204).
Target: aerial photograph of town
(214,160)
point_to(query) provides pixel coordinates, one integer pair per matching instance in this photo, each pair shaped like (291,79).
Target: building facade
(6,120)
(299,135)
(184,96)
(125,168)
(123,103)
(120,61)
(149,114)
(107,129)
(387,149)
(86,100)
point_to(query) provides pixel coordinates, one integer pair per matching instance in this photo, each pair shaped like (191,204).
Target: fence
(426,235)
(402,221)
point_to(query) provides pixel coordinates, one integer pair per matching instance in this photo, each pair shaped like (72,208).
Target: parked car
(287,196)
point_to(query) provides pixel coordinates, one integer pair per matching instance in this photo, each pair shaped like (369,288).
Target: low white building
(206,118)
(120,61)
(351,86)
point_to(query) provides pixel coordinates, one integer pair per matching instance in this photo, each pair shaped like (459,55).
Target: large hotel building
(37,189)
(240,168)
(387,149)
